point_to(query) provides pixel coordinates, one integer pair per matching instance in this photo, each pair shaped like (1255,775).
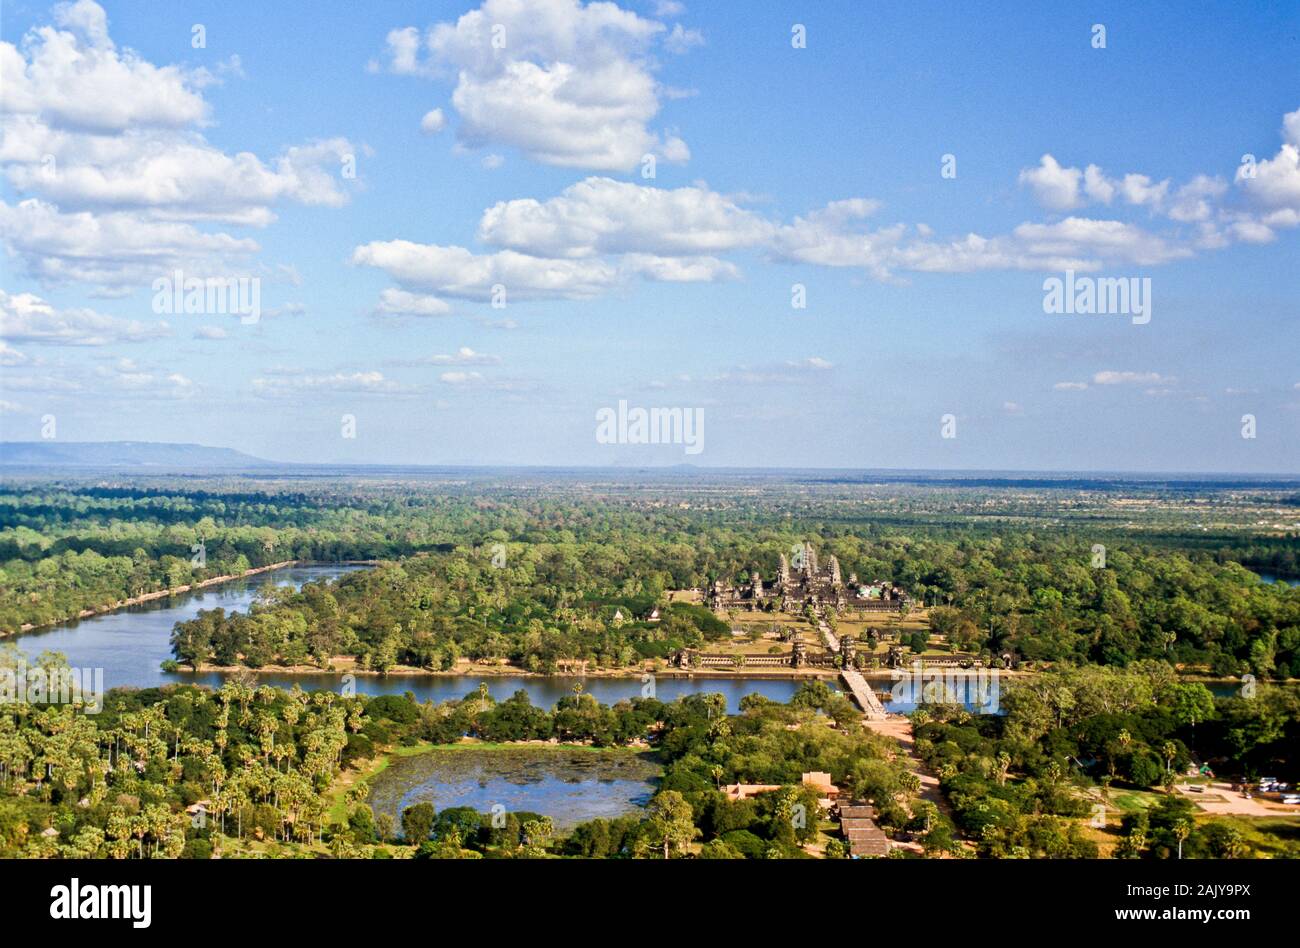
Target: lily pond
(570,785)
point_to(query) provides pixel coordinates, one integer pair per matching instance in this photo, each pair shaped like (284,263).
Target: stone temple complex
(800,581)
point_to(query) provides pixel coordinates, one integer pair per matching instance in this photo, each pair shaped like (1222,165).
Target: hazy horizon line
(535,466)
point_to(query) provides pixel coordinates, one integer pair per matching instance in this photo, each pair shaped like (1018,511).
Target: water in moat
(130,645)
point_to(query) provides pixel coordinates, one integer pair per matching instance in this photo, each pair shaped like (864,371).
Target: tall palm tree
(1182,829)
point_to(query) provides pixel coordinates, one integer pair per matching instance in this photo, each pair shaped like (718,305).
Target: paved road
(1221,799)
(882,722)
(871,706)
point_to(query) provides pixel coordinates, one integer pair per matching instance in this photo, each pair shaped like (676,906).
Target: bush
(746,843)
(417,822)
(197,849)
(718,849)
(1144,770)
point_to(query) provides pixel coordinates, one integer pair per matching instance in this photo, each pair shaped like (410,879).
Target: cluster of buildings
(802,583)
(827,792)
(857,821)
(865,838)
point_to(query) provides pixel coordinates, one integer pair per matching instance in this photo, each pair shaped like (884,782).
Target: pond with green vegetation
(569,784)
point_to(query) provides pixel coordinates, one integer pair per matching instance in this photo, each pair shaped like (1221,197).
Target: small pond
(569,784)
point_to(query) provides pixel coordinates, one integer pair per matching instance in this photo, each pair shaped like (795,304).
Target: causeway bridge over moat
(872,707)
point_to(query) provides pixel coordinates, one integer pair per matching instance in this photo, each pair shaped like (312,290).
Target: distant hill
(124,454)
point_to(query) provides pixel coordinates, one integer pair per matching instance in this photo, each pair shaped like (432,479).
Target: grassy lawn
(884,622)
(765,621)
(1119,803)
(769,626)
(908,654)
(1106,839)
(338,809)
(1130,801)
(742,647)
(1274,836)
(826,831)
(485,745)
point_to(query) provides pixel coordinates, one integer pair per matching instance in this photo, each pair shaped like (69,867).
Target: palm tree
(1182,829)
(1003,766)
(715,704)
(140,829)
(1170,751)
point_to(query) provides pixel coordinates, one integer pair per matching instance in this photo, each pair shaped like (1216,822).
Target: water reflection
(570,785)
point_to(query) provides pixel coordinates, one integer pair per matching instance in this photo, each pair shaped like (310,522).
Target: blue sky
(129,153)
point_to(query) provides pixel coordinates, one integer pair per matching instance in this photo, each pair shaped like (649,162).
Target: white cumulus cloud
(26,318)
(566,83)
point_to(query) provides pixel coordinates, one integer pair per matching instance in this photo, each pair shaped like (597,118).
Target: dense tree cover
(1016,565)
(117,784)
(65,551)
(772,743)
(1170,830)
(261,760)
(1021,784)
(548,602)
(702,749)
(263,763)
(541,573)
